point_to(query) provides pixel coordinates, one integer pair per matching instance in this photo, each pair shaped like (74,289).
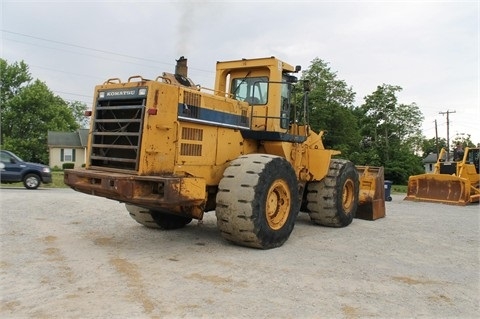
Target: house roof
(431,158)
(68,139)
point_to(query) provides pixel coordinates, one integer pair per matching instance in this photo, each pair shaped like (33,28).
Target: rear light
(152,111)
(88,113)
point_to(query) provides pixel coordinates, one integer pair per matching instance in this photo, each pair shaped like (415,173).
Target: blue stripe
(211,117)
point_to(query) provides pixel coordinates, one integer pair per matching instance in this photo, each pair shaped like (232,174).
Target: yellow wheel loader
(172,150)
(452,182)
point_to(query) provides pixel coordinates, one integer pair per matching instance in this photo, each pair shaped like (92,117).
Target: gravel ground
(69,255)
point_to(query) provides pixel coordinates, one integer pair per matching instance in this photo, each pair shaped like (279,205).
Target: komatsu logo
(123,94)
(120,93)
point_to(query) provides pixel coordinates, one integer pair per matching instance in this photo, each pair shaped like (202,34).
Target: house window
(67,155)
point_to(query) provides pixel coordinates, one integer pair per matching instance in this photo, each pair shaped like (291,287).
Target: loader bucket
(371,199)
(440,188)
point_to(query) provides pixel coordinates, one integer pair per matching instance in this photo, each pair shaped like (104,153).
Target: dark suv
(13,169)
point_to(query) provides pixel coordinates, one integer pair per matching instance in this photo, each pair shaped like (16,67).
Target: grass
(57,180)
(399,189)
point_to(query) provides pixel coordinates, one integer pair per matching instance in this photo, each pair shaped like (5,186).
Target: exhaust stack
(181,68)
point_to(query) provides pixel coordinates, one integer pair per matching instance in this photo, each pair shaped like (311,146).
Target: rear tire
(158,220)
(257,201)
(333,201)
(31,181)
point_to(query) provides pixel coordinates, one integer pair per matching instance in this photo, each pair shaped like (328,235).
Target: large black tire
(170,221)
(333,201)
(141,215)
(257,201)
(159,220)
(31,181)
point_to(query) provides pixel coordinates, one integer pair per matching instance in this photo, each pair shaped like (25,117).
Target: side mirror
(292,79)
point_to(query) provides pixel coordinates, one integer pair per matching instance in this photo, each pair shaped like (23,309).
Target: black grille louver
(117,132)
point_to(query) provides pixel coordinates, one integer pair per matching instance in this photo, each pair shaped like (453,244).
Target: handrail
(136,77)
(111,81)
(167,80)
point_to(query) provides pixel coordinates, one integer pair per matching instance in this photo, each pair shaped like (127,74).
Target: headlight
(46,169)
(142,92)
(101,95)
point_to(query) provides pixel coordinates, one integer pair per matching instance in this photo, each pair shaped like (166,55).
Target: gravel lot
(69,255)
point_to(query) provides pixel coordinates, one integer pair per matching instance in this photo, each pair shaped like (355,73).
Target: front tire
(257,201)
(333,201)
(31,181)
(170,221)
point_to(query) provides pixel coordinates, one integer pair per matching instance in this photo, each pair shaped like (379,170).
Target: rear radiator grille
(117,131)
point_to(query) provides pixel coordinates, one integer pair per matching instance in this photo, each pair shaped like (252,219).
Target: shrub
(68,165)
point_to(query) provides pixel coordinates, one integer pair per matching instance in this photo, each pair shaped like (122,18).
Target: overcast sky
(429,48)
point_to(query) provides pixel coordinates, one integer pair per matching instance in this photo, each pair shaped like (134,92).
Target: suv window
(7,158)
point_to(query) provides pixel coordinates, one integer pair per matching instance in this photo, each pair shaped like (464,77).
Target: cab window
(252,90)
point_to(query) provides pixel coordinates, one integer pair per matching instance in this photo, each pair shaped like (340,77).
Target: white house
(429,162)
(67,147)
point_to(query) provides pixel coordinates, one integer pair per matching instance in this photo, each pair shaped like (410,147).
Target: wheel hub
(278,204)
(348,196)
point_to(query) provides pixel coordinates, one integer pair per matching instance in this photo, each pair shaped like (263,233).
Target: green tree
(462,139)
(78,110)
(13,78)
(430,146)
(331,108)
(28,113)
(391,133)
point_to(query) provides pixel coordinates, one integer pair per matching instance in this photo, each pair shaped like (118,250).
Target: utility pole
(436,139)
(448,131)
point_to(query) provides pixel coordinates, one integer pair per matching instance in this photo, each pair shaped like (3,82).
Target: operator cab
(266,85)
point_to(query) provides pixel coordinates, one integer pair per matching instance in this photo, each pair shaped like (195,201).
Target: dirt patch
(68,255)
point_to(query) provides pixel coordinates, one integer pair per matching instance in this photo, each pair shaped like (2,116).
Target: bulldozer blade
(371,199)
(439,188)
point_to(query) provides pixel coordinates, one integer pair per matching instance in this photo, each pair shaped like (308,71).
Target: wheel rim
(348,196)
(31,182)
(278,204)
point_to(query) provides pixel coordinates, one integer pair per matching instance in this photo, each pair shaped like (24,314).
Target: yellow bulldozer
(172,150)
(452,182)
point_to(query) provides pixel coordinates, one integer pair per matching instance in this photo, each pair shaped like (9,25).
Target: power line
(66,72)
(95,50)
(83,47)
(82,95)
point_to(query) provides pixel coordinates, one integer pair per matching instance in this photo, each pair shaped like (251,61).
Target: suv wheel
(31,181)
